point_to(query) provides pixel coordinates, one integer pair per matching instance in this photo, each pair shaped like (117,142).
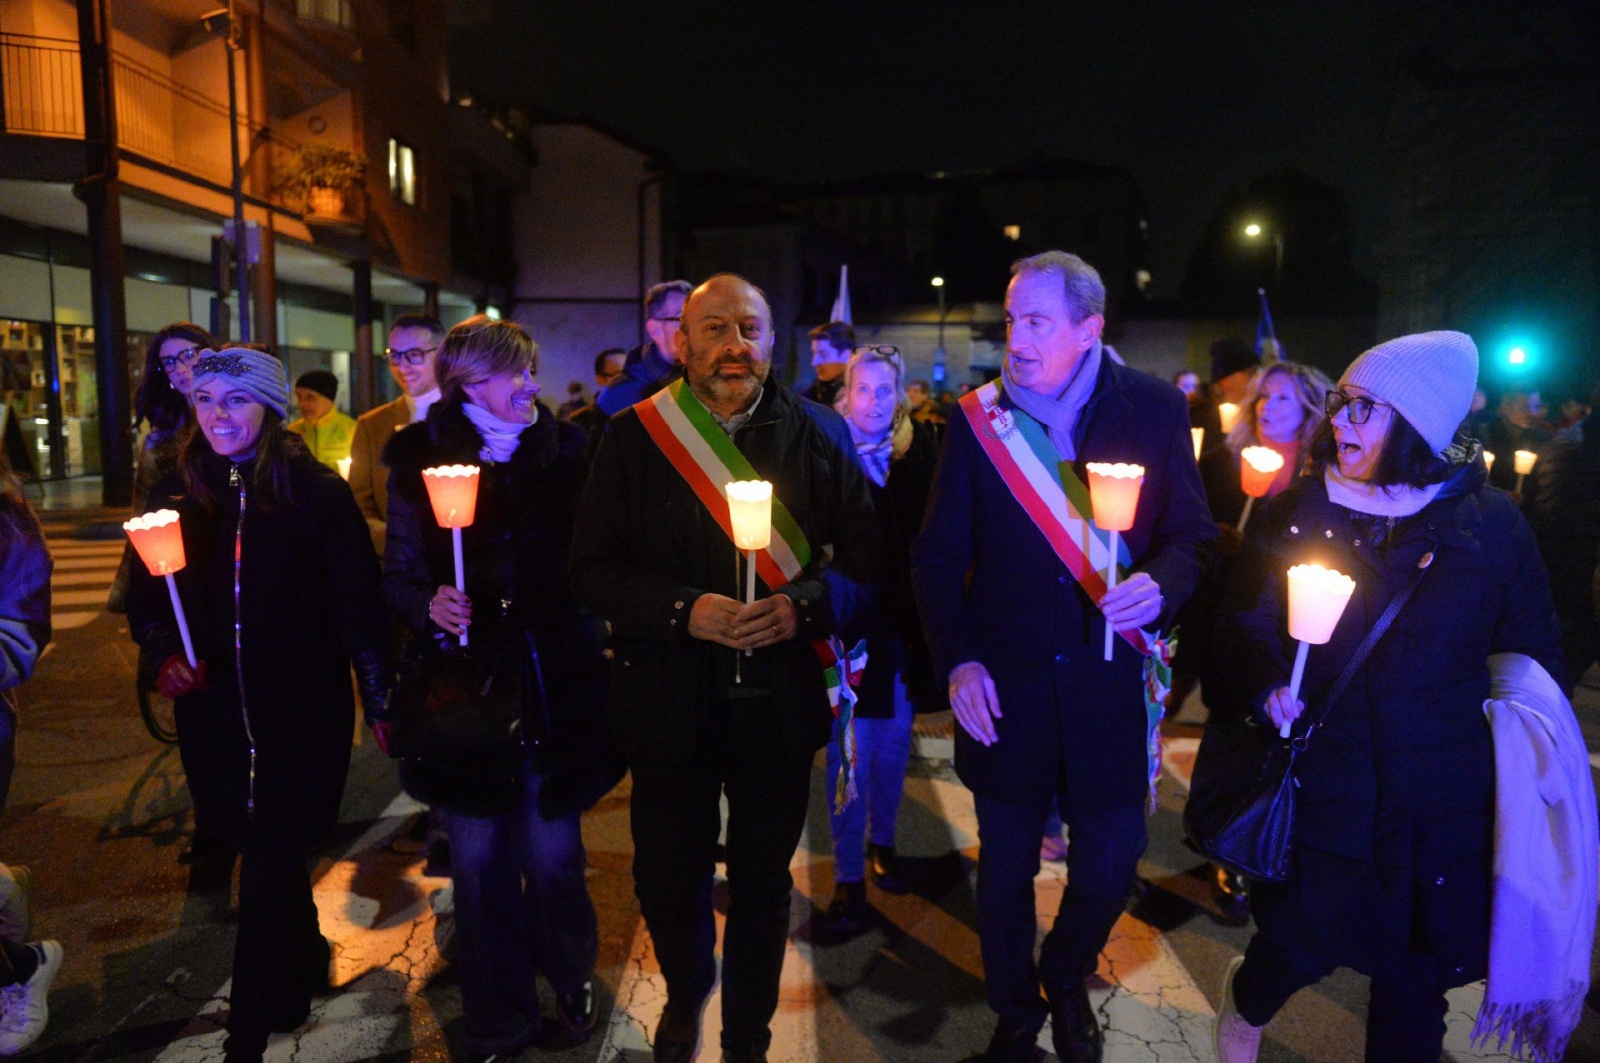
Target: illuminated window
(333,12)
(1013,232)
(402,172)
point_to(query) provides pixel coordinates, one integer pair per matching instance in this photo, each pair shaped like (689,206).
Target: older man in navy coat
(1043,715)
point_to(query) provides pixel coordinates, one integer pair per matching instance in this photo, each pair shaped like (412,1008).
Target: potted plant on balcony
(329,178)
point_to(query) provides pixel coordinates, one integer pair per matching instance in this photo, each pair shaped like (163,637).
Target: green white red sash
(704,455)
(1058,503)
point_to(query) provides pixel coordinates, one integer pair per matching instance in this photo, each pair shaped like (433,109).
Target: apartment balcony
(178,129)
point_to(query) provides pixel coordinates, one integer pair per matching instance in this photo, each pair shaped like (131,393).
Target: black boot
(1012,1044)
(886,870)
(678,1032)
(847,914)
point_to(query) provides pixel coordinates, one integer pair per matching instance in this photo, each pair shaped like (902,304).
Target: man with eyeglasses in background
(652,363)
(413,348)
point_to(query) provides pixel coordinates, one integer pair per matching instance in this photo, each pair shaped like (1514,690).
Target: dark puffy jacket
(1397,783)
(308,604)
(516,550)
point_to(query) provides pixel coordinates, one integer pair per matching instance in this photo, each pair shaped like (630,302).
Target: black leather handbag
(1240,813)
(460,703)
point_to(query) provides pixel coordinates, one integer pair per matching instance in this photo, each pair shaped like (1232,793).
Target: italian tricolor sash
(707,460)
(1049,491)
(701,452)
(1057,502)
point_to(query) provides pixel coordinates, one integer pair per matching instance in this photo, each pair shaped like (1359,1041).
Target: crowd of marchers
(593,606)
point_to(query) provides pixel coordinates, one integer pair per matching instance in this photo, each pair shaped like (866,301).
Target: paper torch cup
(1317,599)
(750,509)
(453,491)
(1228,414)
(158,539)
(1258,467)
(1199,437)
(1114,494)
(1524,460)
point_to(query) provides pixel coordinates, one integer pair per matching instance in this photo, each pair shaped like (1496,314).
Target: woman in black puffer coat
(517,853)
(281,593)
(1395,806)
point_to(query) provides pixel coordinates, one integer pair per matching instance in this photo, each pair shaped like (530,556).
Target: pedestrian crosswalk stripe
(97,578)
(94,597)
(70,620)
(79,564)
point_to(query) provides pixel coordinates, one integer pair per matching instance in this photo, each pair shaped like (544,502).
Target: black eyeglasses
(415,356)
(1360,406)
(187,355)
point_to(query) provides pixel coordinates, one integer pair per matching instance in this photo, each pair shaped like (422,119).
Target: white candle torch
(1114,497)
(1258,467)
(1488,460)
(344,467)
(453,492)
(158,539)
(1317,599)
(1199,437)
(1228,413)
(750,511)
(1524,460)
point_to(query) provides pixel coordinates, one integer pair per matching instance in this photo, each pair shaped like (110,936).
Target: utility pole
(101,193)
(241,238)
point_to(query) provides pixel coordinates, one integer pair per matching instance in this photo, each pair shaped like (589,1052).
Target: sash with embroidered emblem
(1058,503)
(704,455)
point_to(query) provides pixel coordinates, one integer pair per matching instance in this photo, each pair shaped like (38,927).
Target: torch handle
(183,621)
(749,581)
(1111,582)
(461,570)
(1520,477)
(1294,681)
(1244,517)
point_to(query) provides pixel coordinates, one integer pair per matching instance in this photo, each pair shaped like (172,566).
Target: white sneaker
(24,1007)
(16,915)
(1234,1040)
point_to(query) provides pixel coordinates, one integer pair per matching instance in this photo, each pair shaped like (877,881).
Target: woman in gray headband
(264,715)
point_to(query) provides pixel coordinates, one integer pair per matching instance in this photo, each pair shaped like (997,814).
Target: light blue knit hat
(259,374)
(1428,377)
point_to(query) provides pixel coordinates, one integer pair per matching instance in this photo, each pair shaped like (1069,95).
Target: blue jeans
(882,749)
(521,907)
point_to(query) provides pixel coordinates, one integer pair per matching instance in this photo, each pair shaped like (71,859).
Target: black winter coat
(308,603)
(1394,809)
(516,550)
(645,548)
(991,589)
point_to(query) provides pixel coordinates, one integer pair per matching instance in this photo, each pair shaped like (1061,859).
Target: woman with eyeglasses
(1395,804)
(265,717)
(898,455)
(511,808)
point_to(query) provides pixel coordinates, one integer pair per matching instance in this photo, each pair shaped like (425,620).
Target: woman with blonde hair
(511,805)
(898,454)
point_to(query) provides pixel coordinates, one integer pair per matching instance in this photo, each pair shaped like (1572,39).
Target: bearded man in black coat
(695,715)
(1044,716)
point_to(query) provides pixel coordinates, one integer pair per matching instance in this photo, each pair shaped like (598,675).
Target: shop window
(333,12)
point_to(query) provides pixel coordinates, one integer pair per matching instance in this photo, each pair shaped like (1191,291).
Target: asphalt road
(99,812)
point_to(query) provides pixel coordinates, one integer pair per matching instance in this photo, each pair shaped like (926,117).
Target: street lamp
(1254,230)
(938,355)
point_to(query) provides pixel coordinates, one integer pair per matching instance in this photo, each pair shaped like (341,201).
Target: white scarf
(500,438)
(1543,894)
(421,404)
(1396,501)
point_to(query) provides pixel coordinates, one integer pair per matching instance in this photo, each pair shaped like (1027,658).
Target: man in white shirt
(413,349)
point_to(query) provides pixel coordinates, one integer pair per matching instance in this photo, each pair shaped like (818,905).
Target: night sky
(1191,97)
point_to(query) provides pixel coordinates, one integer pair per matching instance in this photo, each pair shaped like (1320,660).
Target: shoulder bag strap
(1337,690)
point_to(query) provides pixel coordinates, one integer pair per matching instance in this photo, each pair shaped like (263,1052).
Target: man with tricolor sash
(1009,573)
(708,695)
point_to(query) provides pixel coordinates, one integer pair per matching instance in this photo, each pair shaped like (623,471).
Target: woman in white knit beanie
(1393,823)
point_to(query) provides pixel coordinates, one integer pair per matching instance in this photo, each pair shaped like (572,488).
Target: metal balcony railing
(41,94)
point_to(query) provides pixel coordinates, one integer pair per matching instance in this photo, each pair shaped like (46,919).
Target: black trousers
(676,820)
(1103,847)
(280,959)
(1405,1016)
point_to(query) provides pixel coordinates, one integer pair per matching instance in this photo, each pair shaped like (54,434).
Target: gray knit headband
(260,375)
